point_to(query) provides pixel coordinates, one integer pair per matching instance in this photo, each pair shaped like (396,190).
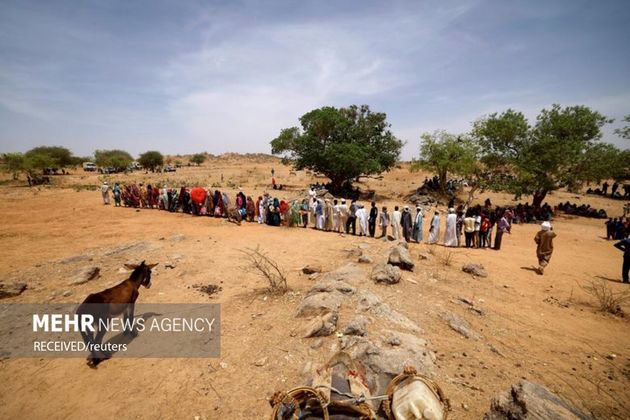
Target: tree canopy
(624,132)
(445,154)
(561,149)
(151,159)
(50,156)
(117,159)
(198,158)
(341,143)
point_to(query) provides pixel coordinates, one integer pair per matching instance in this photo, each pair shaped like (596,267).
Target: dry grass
(447,258)
(268,269)
(608,300)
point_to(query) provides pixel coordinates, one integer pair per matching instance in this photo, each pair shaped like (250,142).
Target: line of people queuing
(584,210)
(614,190)
(617,228)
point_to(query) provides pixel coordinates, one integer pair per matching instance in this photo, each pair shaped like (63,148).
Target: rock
(460,325)
(11,289)
(399,256)
(385,273)
(369,302)
(67,293)
(384,361)
(403,244)
(261,362)
(357,326)
(328,285)
(313,276)
(476,270)
(319,304)
(223,365)
(348,273)
(311,269)
(423,256)
(527,400)
(321,326)
(177,238)
(364,259)
(85,274)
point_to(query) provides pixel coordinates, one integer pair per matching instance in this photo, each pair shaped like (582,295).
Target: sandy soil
(545,329)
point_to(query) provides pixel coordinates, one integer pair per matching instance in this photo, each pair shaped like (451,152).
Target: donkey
(112,302)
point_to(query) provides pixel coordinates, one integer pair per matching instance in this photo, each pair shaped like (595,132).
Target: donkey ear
(150,266)
(130,266)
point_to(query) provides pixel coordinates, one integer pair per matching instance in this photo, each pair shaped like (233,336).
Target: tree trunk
(539,196)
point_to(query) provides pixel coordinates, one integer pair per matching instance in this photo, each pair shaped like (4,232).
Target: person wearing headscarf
(502,226)
(434,229)
(251,209)
(105,192)
(384,222)
(304,212)
(319,214)
(544,246)
(407,224)
(624,246)
(417,225)
(450,234)
(328,213)
(295,216)
(372,219)
(275,213)
(396,218)
(163,203)
(469,229)
(219,207)
(117,193)
(362,218)
(226,201)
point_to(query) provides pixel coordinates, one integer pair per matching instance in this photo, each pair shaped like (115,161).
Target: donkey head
(141,273)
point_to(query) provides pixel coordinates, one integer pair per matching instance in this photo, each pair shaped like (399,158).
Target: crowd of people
(614,190)
(470,227)
(617,228)
(584,210)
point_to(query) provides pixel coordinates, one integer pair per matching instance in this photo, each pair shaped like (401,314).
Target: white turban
(545,225)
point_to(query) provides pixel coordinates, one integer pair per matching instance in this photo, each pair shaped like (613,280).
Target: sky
(192,76)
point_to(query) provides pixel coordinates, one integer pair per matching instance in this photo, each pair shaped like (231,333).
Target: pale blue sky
(190,76)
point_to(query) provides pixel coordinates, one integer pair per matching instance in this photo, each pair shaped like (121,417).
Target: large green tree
(553,153)
(445,153)
(198,158)
(53,156)
(151,160)
(624,131)
(117,159)
(341,143)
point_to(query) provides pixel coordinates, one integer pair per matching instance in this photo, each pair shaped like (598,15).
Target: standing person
(105,192)
(483,230)
(117,193)
(343,215)
(459,226)
(372,219)
(476,236)
(544,248)
(396,216)
(610,228)
(605,187)
(319,215)
(336,215)
(328,213)
(384,222)
(304,213)
(362,218)
(407,224)
(624,245)
(434,229)
(469,229)
(417,225)
(502,226)
(352,218)
(614,188)
(450,234)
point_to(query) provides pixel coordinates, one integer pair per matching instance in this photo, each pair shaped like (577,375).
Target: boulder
(399,256)
(357,326)
(385,273)
(364,259)
(528,400)
(327,285)
(320,304)
(348,273)
(321,326)
(85,274)
(369,302)
(11,289)
(476,270)
(460,325)
(311,269)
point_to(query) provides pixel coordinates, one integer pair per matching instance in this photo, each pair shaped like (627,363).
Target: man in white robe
(396,216)
(336,216)
(434,230)
(343,215)
(362,218)
(450,236)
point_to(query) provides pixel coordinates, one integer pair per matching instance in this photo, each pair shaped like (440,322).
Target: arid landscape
(545,329)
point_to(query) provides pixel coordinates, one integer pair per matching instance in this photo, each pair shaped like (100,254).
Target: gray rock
(357,326)
(399,256)
(385,273)
(476,270)
(85,274)
(321,326)
(177,238)
(527,400)
(369,302)
(311,269)
(11,289)
(348,273)
(364,259)
(460,325)
(328,285)
(320,304)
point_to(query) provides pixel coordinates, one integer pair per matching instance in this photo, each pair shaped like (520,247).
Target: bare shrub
(266,268)
(609,301)
(447,259)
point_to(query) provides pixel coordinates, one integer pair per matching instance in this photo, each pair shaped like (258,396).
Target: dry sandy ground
(546,329)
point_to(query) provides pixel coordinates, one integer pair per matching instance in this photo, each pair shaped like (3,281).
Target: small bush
(268,269)
(609,301)
(447,259)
